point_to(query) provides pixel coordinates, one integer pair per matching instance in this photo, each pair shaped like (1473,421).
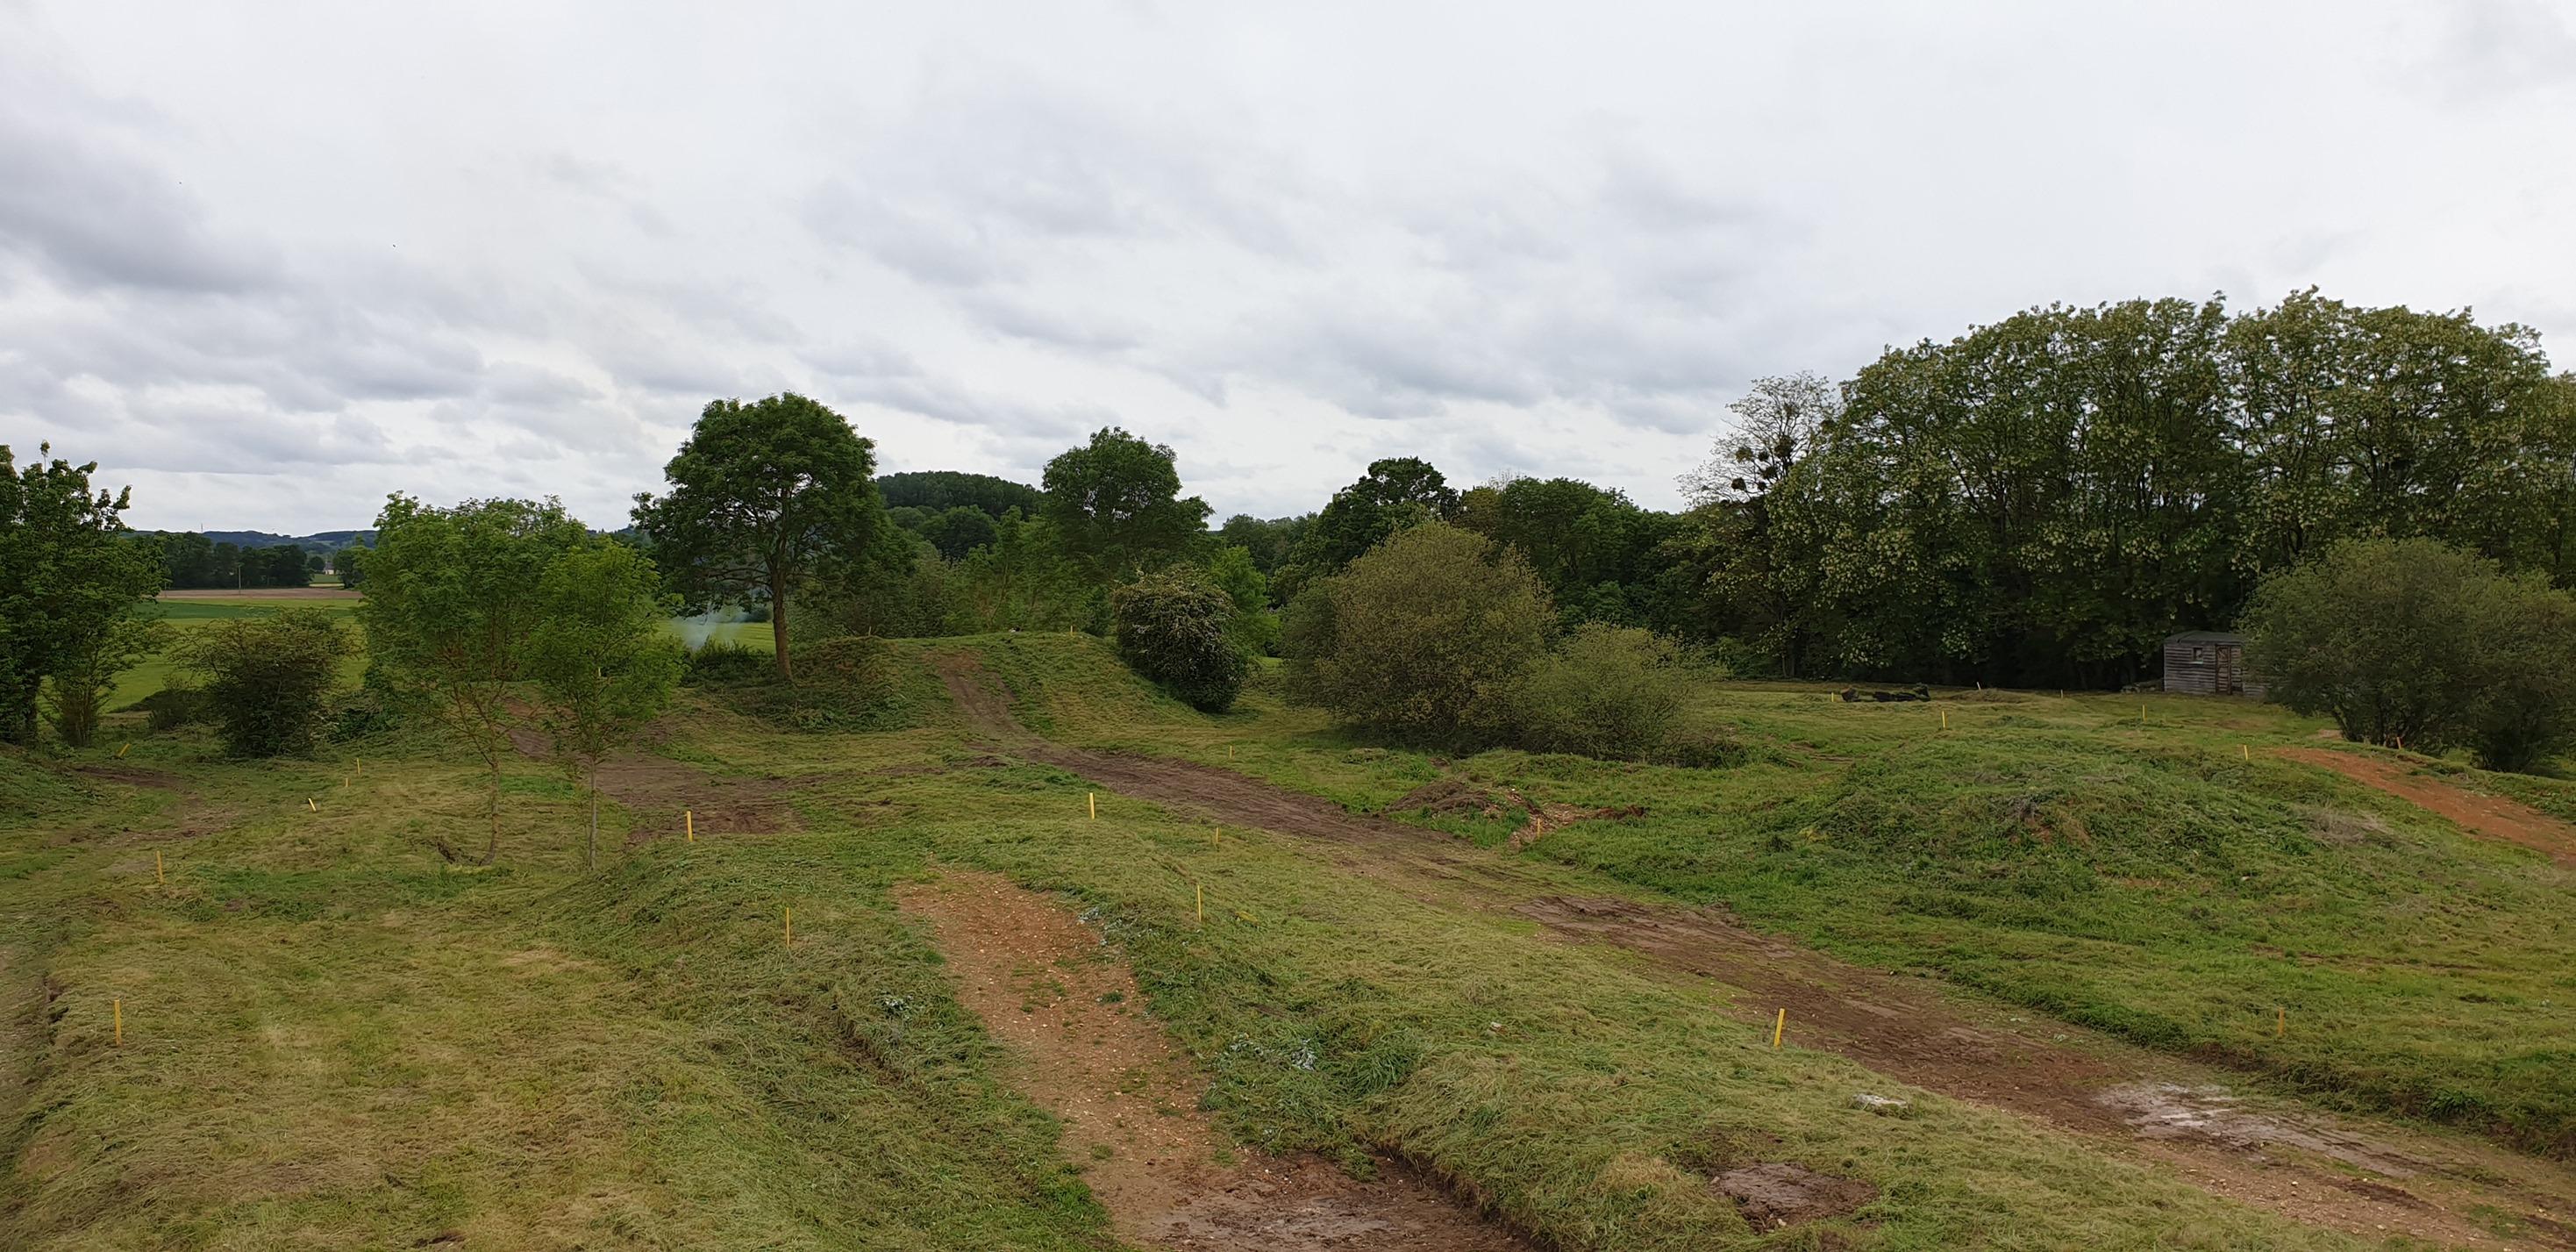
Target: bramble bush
(1177,629)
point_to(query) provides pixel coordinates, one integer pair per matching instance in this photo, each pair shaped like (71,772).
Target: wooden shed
(2209,663)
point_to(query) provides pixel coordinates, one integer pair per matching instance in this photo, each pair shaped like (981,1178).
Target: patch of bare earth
(1457,795)
(2303,1165)
(663,797)
(1774,1195)
(1069,1011)
(2492,817)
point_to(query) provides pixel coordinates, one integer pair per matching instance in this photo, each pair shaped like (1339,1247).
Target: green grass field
(333,1039)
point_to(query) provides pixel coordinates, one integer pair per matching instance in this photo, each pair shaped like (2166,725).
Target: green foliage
(938,491)
(1272,543)
(1176,628)
(199,561)
(1116,505)
(759,495)
(1395,493)
(453,597)
(1606,691)
(957,531)
(2041,501)
(179,703)
(1255,627)
(847,683)
(2525,708)
(895,586)
(599,657)
(1024,580)
(725,665)
(1417,637)
(265,677)
(77,692)
(1594,551)
(71,577)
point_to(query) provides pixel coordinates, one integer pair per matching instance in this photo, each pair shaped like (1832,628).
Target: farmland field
(2057,971)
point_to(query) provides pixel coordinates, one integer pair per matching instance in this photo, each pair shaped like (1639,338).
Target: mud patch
(132,776)
(2164,1110)
(1069,1009)
(1778,1194)
(2492,817)
(663,797)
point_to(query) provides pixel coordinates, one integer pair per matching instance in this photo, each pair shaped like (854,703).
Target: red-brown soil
(1069,1011)
(1906,1028)
(2492,817)
(662,796)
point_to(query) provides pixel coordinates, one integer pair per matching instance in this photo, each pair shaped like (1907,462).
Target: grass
(2166,880)
(334,1040)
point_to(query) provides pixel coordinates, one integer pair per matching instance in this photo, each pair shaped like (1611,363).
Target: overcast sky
(268,262)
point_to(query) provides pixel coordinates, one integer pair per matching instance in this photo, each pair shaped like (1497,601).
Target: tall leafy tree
(72,576)
(1395,493)
(600,658)
(760,495)
(1116,504)
(453,597)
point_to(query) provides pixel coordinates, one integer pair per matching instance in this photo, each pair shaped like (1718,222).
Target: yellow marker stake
(310,805)
(1229,752)
(2142,712)
(120,751)
(1202,903)
(791,927)
(1093,799)
(2247,749)
(362,765)
(117,1007)
(1945,719)
(689,822)
(156,870)
(1779,1024)
(1216,836)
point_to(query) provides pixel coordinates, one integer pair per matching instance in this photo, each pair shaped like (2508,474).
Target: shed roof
(2205,636)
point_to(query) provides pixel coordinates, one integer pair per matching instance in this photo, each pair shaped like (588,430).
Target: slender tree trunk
(492,807)
(778,625)
(590,780)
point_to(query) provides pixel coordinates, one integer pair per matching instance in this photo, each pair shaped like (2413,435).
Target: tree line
(190,560)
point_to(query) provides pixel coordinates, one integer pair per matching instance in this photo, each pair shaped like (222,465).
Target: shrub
(1176,628)
(1416,631)
(726,665)
(266,676)
(2408,641)
(77,692)
(179,704)
(1608,691)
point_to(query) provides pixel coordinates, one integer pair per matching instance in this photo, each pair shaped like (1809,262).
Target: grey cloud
(80,204)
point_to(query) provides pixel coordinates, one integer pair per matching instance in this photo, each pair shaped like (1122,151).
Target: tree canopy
(760,494)
(72,577)
(1116,504)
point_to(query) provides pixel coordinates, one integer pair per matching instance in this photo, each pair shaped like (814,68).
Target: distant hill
(319,541)
(937,490)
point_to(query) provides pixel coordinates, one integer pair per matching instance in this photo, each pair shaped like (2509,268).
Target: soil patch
(1070,1011)
(1777,1194)
(2492,817)
(663,797)
(1903,1027)
(132,775)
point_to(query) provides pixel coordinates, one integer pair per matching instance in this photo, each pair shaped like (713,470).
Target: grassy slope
(334,1042)
(2149,879)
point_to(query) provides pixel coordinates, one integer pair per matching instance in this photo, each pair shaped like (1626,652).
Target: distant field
(261,594)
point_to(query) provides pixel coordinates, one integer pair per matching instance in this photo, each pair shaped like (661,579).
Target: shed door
(2230,680)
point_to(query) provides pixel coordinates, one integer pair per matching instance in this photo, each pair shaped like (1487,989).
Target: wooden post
(117,1007)
(1779,1024)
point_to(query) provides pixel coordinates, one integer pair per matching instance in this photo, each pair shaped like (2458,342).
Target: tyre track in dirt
(2492,818)
(1072,1017)
(1906,1028)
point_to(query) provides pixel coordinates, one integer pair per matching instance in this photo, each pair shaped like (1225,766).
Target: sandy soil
(2300,1163)
(1068,1009)
(2491,817)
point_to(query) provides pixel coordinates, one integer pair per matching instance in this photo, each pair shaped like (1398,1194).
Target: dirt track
(1905,1028)
(1072,1015)
(2492,817)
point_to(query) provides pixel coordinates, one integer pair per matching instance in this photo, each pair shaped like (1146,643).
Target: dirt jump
(2488,817)
(1069,1011)
(2361,1177)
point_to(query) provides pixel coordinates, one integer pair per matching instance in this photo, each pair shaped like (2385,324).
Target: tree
(1395,493)
(935,491)
(1416,636)
(1606,691)
(1116,502)
(71,575)
(77,691)
(957,531)
(1255,628)
(1175,628)
(265,678)
(760,493)
(1023,580)
(453,596)
(600,658)
(2380,635)
(1592,547)
(1777,422)
(2524,713)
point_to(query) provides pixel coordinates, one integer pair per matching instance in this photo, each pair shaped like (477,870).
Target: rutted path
(2343,1173)
(1070,1011)
(2488,817)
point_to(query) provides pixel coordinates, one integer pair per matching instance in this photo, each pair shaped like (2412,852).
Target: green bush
(2410,642)
(1607,691)
(727,665)
(179,704)
(1419,635)
(265,678)
(1176,629)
